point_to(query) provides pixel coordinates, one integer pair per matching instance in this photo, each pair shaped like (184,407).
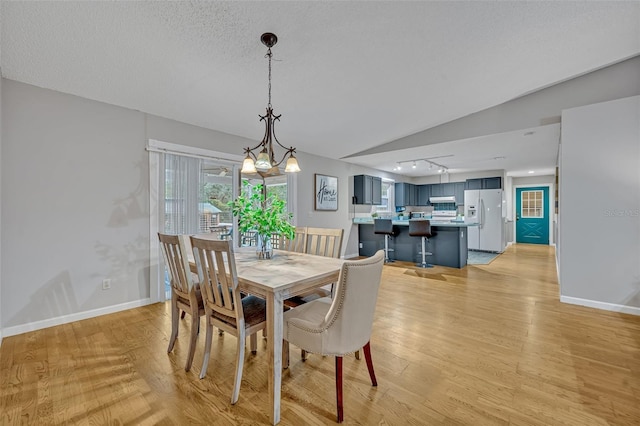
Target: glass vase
(264,248)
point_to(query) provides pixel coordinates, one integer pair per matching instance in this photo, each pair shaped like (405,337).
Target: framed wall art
(326,192)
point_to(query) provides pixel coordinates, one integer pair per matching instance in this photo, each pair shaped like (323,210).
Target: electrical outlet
(106,284)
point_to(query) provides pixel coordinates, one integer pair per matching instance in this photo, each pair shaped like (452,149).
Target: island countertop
(439,223)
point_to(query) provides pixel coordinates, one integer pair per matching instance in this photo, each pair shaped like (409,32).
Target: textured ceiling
(347,76)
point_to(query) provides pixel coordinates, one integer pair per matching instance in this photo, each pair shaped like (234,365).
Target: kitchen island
(448,244)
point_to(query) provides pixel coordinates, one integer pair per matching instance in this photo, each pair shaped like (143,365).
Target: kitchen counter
(448,244)
(405,222)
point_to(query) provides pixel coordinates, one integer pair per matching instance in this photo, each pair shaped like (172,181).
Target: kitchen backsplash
(445,206)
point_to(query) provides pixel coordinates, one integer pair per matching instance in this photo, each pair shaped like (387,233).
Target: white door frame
(551,214)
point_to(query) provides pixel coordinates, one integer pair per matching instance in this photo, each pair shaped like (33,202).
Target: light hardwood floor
(485,345)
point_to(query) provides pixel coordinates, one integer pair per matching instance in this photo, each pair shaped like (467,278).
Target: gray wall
(75,197)
(343,218)
(599,209)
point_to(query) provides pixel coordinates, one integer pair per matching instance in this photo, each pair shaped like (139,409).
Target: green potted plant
(264,215)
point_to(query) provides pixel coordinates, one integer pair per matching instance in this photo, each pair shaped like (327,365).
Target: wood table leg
(274,344)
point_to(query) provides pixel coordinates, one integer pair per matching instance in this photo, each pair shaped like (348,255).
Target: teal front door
(532,210)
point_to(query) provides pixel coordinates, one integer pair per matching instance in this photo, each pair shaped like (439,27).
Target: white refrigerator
(487,208)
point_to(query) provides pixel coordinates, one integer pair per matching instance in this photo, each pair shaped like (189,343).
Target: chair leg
(239,366)
(367,357)
(264,333)
(303,355)
(339,387)
(253,343)
(174,324)
(207,349)
(285,354)
(195,329)
(386,250)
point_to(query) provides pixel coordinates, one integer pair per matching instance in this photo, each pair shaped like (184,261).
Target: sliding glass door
(196,193)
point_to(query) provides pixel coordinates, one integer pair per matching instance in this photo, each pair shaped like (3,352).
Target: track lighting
(414,165)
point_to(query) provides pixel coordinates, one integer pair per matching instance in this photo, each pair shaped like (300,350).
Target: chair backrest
(216,265)
(420,228)
(382,226)
(297,244)
(324,241)
(350,318)
(175,256)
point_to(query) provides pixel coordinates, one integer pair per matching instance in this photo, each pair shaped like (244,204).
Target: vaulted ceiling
(347,76)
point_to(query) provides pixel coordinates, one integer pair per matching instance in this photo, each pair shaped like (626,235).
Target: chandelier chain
(269,55)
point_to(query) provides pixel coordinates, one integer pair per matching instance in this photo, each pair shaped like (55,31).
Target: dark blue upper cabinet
(406,194)
(492,183)
(367,190)
(424,192)
(484,183)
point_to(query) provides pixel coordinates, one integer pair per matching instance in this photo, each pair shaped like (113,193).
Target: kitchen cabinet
(437,190)
(376,191)
(492,183)
(405,194)
(447,189)
(367,190)
(423,192)
(458,191)
(485,183)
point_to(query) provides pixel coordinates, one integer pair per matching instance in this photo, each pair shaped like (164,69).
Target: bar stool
(384,226)
(421,228)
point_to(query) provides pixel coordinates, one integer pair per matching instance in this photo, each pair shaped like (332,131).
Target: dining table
(285,275)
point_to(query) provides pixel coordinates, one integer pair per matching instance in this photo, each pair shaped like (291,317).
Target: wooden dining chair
(324,241)
(342,325)
(320,242)
(224,306)
(297,244)
(185,291)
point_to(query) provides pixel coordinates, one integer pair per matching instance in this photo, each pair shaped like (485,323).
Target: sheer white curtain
(183,183)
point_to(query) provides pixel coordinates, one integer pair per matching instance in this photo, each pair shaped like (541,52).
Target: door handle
(517,217)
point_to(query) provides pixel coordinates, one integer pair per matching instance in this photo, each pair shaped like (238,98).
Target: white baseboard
(633,310)
(65,319)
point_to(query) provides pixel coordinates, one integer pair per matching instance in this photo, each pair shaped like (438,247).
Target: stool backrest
(382,226)
(420,228)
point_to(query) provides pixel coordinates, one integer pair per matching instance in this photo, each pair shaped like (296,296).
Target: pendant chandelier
(265,163)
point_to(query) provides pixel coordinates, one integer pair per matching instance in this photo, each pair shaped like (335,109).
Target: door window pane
(531,204)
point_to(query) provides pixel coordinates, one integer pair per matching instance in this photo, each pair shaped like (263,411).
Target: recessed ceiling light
(531,171)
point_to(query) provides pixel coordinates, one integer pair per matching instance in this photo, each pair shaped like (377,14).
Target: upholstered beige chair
(224,306)
(185,292)
(325,242)
(341,325)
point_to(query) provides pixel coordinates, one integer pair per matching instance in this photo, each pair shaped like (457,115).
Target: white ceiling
(347,76)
